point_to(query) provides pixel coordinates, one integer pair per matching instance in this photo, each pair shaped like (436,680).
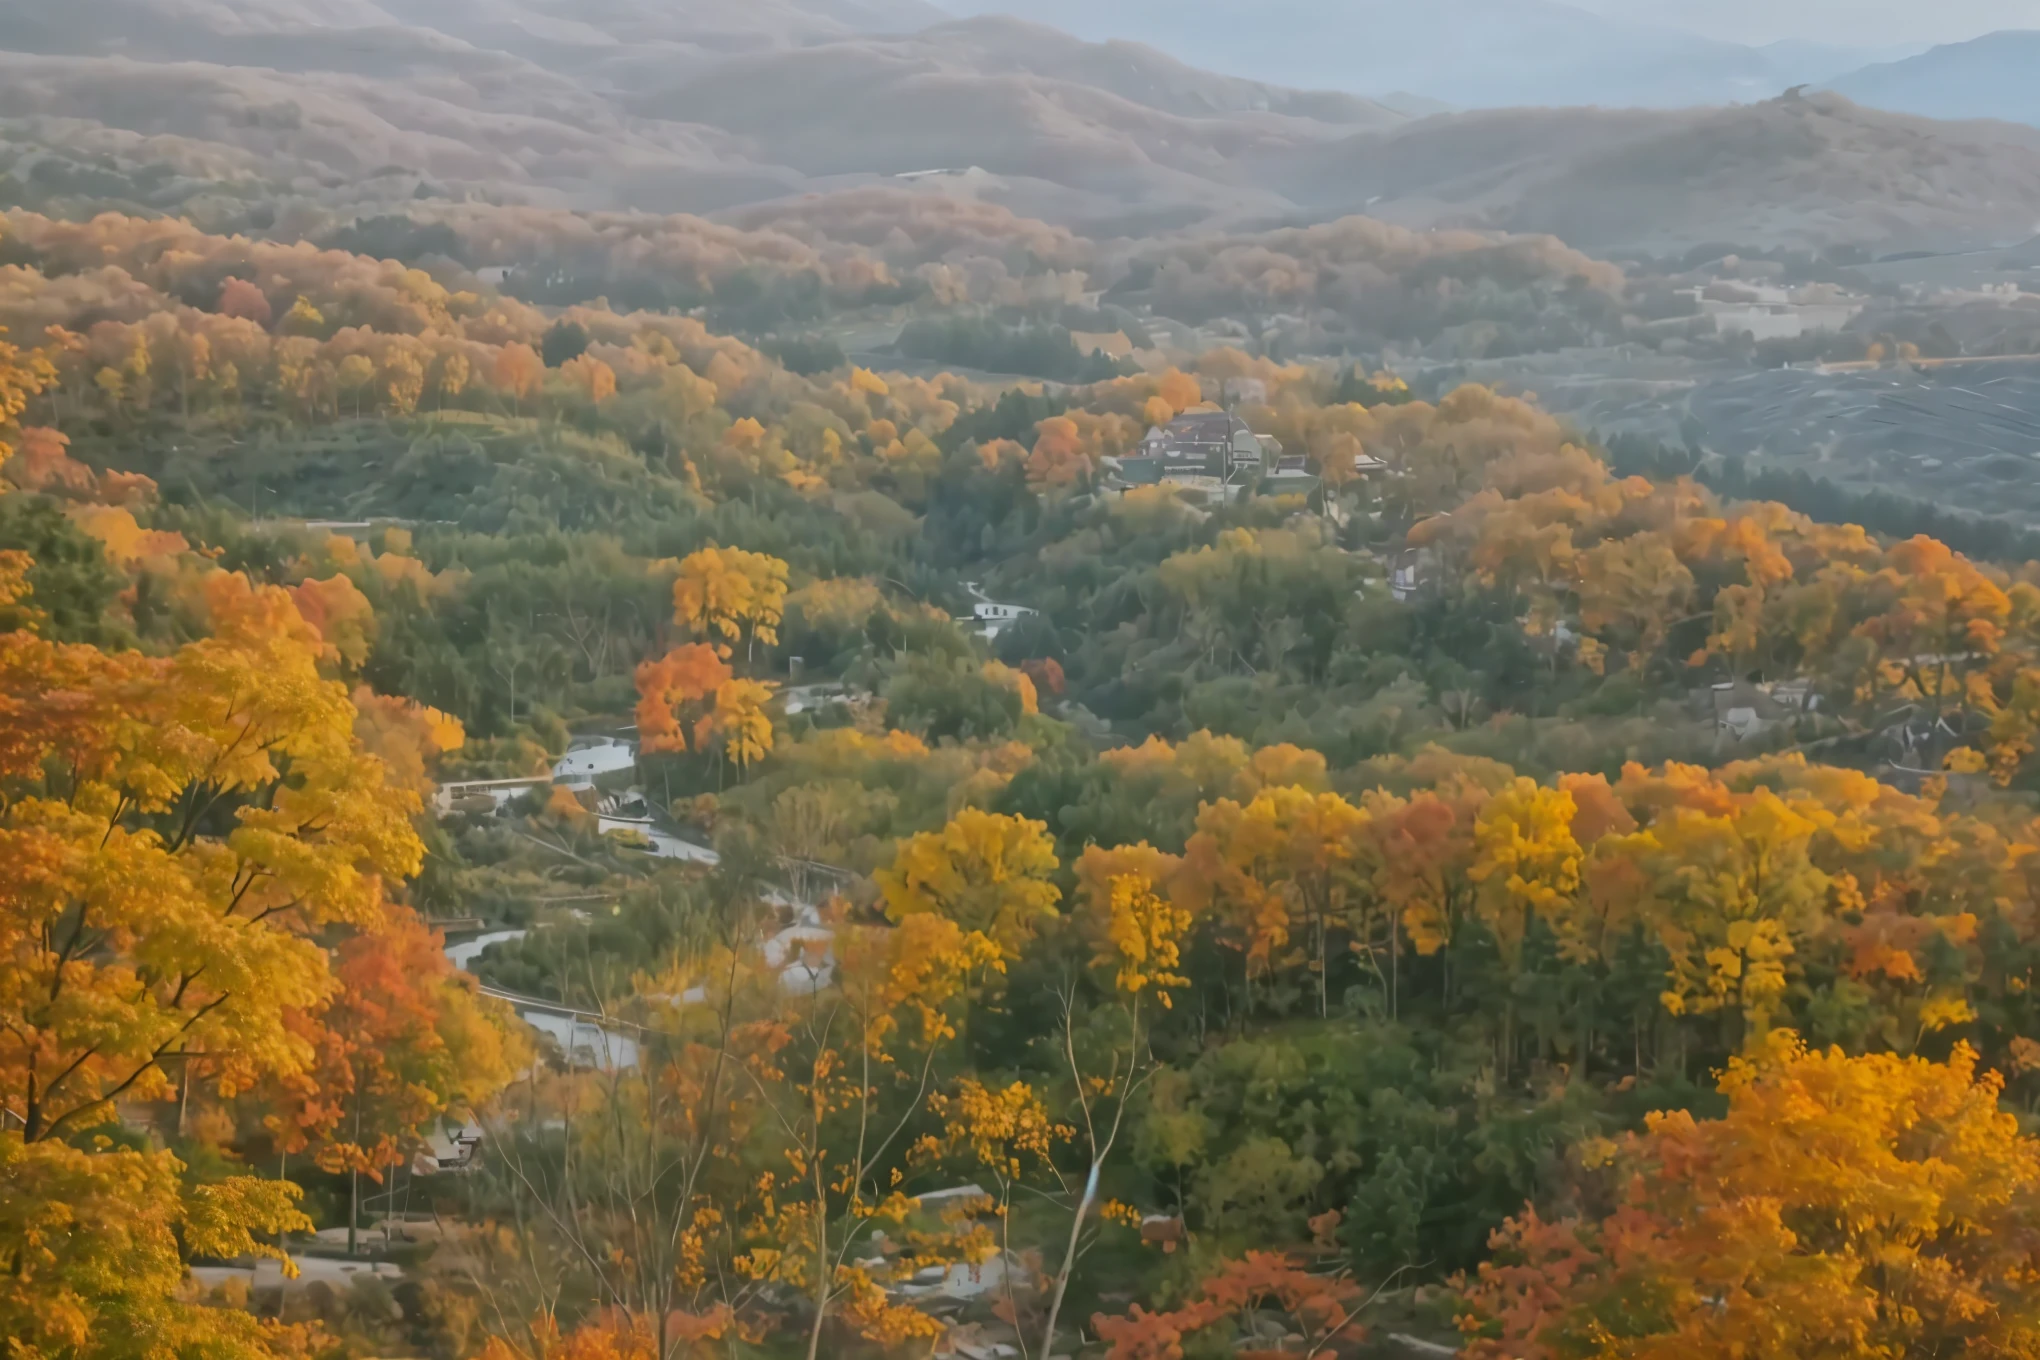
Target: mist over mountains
(1477,54)
(1995,76)
(1468,53)
(711,106)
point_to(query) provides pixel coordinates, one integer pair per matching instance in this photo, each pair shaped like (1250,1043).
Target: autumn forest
(1450,896)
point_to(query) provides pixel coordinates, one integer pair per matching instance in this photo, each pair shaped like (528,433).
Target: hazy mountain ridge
(1796,170)
(706,105)
(1995,76)
(612,118)
(1468,53)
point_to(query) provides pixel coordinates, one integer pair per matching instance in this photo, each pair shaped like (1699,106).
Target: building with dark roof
(1212,451)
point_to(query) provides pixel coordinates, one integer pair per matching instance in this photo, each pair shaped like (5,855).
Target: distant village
(1218,455)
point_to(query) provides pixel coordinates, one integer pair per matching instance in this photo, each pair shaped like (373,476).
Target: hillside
(1796,171)
(724,680)
(1136,72)
(1106,126)
(653,111)
(1467,53)
(302,35)
(1415,847)
(1991,77)
(709,106)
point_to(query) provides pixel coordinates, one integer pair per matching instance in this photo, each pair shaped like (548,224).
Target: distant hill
(1466,53)
(1136,72)
(614,40)
(708,106)
(1995,76)
(1083,132)
(1791,171)
(529,99)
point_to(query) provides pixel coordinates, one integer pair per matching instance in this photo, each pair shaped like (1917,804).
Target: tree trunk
(1585,1041)
(1394,971)
(814,1341)
(1508,1055)
(354,1177)
(1069,1265)
(1324,969)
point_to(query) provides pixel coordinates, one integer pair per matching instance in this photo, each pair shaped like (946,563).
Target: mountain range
(1467,53)
(1995,76)
(711,106)
(1478,54)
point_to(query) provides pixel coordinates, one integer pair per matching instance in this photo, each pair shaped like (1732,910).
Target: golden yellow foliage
(987,872)
(726,593)
(1865,1206)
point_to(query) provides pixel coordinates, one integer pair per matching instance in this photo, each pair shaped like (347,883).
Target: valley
(686,680)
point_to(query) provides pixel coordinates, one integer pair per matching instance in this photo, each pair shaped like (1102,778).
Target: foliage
(1039,352)
(181,834)
(98,1237)
(987,872)
(1877,1203)
(1306,887)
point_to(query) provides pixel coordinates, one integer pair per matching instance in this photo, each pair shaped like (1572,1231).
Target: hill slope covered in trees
(1352,910)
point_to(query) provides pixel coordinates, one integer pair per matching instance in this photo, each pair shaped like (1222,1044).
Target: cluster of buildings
(1218,454)
(1767,311)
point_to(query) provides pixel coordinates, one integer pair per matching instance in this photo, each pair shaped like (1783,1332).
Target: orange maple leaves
(1320,1313)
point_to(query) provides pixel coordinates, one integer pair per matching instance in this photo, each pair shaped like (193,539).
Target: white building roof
(591,757)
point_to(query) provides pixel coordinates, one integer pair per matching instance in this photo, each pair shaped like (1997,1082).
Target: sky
(1852,23)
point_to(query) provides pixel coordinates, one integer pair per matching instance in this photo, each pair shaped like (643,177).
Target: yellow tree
(21,377)
(741,723)
(1136,931)
(303,319)
(97,1240)
(1873,1206)
(1289,863)
(402,378)
(450,375)
(116,863)
(356,371)
(841,1077)
(1635,588)
(1528,866)
(1731,890)
(728,595)
(1137,934)
(180,833)
(1526,861)
(1004,1133)
(988,872)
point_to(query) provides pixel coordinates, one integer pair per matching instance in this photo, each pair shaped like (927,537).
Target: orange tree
(404,1040)
(1288,864)
(177,834)
(1873,1206)
(1318,1313)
